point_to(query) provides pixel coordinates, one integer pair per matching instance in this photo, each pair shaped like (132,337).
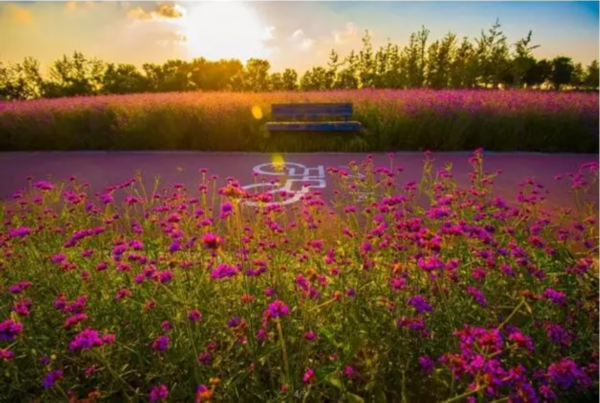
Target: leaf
(356,342)
(352,398)
(380,396)
(335,381)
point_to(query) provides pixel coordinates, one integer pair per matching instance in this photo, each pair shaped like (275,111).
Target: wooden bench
(312,118)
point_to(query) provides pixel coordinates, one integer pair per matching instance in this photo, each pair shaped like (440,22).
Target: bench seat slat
(311,110)
(313,126)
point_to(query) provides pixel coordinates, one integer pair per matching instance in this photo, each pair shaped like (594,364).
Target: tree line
(488,61)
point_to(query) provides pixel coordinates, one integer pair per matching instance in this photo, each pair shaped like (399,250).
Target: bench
(312,117)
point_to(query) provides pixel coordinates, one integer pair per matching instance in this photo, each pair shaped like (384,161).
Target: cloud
(161,12)
(20,15)
(299,37)
(347,35)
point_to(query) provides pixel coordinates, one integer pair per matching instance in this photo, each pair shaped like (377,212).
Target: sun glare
(219,30)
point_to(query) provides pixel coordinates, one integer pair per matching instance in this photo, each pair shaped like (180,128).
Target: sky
(298,35)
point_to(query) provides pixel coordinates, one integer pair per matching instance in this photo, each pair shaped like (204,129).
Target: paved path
(101,169)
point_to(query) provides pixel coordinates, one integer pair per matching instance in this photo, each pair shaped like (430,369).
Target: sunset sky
(289,34)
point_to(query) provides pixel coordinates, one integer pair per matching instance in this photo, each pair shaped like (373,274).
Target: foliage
(402,290)
(486,62)
(394,120)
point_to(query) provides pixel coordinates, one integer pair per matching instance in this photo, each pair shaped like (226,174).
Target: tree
(123,79)
(317,79)
(347,78)
(276,82)
(415,58)
(592,75)
(492,53)
(256,75)
(366,63)
(74,75)
(21,80)
(465,66)
(290,80)
(440,56)
(562,72)
(538,73)
(522,59)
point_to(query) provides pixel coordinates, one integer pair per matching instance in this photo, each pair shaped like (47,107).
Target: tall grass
(393,120)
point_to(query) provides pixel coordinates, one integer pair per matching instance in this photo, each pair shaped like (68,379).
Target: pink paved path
(101,169)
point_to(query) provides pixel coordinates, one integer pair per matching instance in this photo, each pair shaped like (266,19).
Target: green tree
(21,80)
(439,61)
(538,73)
(562,72)
(256,75)
(465,66)
(123,79)
(290,80)
(522,60)
(276,82)
(415,58)
(347,78)
(316,79)
(592,75)
(75,75)
(493,54)
(366,63)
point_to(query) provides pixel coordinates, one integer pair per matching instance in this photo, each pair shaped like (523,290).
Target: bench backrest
(310,111)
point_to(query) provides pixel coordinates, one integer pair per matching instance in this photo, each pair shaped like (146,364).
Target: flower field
(425,292)
(446,120)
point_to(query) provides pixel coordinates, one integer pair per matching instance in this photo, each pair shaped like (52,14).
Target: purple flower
(555,296)
(350,372)
(310,335)
(19,287)
(426,364)
(420,304)
(565,373)
(19,232)
(278,309)
(161,343)
(223,271)
(165,276)
(85,340)
(194,315)
(477,295)
(43,185)
(175,246)
(205,358)
(157,393)
(9,329)
(50,378)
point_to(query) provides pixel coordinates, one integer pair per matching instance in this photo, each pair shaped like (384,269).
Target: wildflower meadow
(444,120)
(422,292)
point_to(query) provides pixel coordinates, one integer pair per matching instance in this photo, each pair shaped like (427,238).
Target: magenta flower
(161,343)
(9,329)
(158,393)
(205,358)
(309,376)
(426,364)
(223,271)
(43,185)
(566,373)
(19,287)
(194,315)
(212,241)
(278,309)
(310,335)
(19,232)
(85,340)
(555,296)
(6,354)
